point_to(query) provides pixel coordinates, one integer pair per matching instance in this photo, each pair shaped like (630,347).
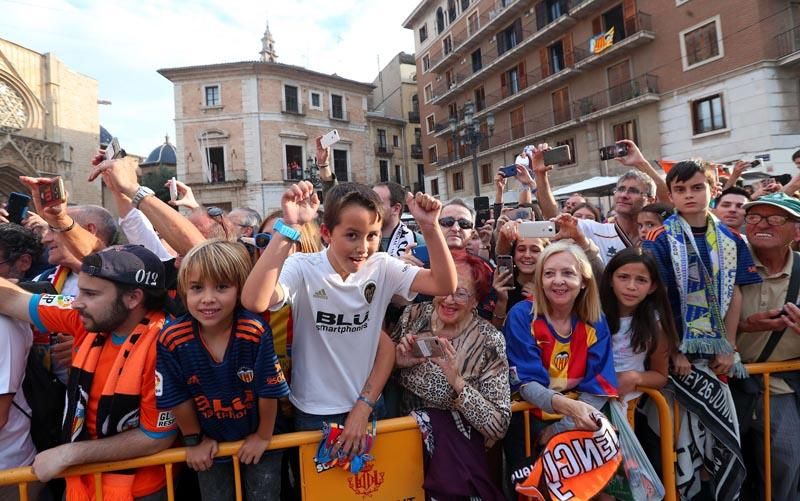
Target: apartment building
(394,123)
(680,77)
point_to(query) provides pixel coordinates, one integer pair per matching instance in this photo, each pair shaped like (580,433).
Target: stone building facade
(49,122)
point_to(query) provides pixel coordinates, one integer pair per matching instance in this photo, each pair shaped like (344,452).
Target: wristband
(192,439)
(286,230)
(62,230)
(362,398)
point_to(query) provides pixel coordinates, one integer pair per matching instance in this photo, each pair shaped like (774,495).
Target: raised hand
(118,174)
(634,158)
(55,215)
(322,153)
(536,159)
(568,228)
(424,208)
(185,195)
(299,204)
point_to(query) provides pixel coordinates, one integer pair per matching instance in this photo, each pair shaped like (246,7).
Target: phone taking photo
(537,229)
(113,149)
(173,189)
(427,347)
(52,193)
(421,252)
(558,155)
(330,139)
(505,263)
(508,170)
(17,207)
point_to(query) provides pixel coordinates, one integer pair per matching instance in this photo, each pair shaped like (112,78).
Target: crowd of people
(194,327)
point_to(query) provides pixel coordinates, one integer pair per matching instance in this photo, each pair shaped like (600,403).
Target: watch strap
(192,439)
(142,193)
(286,230)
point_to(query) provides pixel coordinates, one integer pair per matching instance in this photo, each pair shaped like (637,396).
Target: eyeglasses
(773,220)
(460,296)
(216,214)
(448,222)
(630,190)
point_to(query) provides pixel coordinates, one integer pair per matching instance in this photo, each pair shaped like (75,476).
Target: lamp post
(312,175)
(472,136)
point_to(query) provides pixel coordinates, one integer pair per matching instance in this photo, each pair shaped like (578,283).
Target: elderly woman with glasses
(454,371)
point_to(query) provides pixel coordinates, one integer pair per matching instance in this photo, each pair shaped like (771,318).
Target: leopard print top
(485,401)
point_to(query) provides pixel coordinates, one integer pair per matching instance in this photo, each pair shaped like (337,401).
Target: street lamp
(472,136)
(312,172)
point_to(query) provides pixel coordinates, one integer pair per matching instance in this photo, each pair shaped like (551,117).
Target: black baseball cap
(126,264)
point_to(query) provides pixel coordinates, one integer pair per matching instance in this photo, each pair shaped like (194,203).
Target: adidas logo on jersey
(320,294)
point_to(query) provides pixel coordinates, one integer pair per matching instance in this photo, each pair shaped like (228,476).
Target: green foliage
(156,180)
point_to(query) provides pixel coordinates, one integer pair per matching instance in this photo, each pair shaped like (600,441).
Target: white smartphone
(173,189)
(537,229)
(330,139)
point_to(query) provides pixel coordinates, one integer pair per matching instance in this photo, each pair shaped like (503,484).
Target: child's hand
(253,448)
(722,363)
(300,204)
(680,364)
(201,456)
(424,208)
(627,382)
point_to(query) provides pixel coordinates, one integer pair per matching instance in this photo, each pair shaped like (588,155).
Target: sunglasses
(448,222)
(216,214)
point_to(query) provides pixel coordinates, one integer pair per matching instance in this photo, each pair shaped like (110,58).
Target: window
(708,114)
(435,187)
(316,100)
(291,102)
(430,120)
(428,91)
(447,45)
(477,63)
(561,108)
(382,139)
(384,170)
(398,178)
(513,80)
(215,156)
(464,5)
(458,181)
(432,157)
(701,43)
(417,135)
(625,130)
(337,107)
(571,143)
(439,21)
(509,37)
(426,62)
(396,141)
(420,178)
(294,162)
(449,79)
(517,123)
(548,11)
(473,24)
(452,110)
(480,99)
(340,165)
(556,54)
(212,96)
(423,33)
(451,10)
(486,174)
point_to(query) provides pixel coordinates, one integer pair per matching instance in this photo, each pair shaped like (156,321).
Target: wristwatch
(192,439)
(142,193)
(286,230)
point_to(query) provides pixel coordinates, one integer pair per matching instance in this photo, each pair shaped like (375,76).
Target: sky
(121,44)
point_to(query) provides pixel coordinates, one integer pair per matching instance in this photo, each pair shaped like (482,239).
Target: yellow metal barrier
(668,429)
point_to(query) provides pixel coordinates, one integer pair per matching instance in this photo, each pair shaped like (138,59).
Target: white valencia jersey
(337,325)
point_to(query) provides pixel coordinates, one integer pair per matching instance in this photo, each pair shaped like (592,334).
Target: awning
(595,187)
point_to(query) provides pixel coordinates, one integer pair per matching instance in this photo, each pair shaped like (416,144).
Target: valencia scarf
(402,237)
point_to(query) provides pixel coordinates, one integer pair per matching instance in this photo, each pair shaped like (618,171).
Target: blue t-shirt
(225,394)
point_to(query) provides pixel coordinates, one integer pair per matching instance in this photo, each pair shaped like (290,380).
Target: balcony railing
(226,176)
(413,117)
(383,150)
(788,42)
(416,151)
(340,115)
(641,24)
(293,108)
(618,94)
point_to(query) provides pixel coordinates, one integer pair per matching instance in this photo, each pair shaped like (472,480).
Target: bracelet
(322,166)
(192,439)
(362,398)
(62,230)
(499,317)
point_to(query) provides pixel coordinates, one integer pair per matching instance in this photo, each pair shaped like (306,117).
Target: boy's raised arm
(441,279)
(260,291)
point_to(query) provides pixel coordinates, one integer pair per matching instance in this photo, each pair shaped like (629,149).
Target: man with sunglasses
(768,331)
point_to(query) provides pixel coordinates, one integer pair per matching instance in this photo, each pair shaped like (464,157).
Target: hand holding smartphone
(52,193)
(558,155)
(113,150)
(427,347)
(17,207)
(505,263)
(421,252)
(173,189)
(537,229)
(330,139)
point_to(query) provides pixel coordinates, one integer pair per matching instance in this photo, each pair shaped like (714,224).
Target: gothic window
(13,114)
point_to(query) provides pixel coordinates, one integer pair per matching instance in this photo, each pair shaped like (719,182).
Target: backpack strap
(20,409)
(791,296)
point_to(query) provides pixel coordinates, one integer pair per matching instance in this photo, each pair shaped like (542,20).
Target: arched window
(13,112)
(439,20)
(451,10)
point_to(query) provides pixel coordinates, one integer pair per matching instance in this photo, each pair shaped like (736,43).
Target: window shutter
(518,30)
(629,17)
(501,43)
(544,61)
(523,77)
(541,15)
(503,85)
(597,26)
(566,44)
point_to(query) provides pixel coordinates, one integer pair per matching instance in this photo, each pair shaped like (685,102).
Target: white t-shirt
(337,325)
(604,235)
(625,359)
(15,437)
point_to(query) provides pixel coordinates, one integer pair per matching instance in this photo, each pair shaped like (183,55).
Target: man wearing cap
(111,411)
(772,223)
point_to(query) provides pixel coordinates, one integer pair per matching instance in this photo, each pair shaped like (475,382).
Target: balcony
(293,108)
(228,176)
(413,117)
(641,33)
(640,90)
(416,151)
(383,150)
(339,115)
(788,45)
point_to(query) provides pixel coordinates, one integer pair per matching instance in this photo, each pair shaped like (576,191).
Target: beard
(110,320)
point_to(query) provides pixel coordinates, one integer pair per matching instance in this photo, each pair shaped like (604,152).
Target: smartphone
(756,163)
(613,151)
(112,149)
(17,207)
(481,205)
(557,155)
(537,229)
(330,138)
(523,214)
(426,347)
(421,252)
(505,263)
(173,189)
(43,287)
(508,170)
(53,193)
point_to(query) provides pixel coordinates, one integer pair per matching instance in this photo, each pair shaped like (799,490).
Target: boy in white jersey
(340,358)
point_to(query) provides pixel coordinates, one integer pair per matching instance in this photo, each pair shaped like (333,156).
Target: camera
(613,151)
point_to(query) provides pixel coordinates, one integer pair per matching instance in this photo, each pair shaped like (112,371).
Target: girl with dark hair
(587,211)
(652,217)
(639,317)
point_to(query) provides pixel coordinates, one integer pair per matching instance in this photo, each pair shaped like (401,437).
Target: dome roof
(164,154)
(105,136)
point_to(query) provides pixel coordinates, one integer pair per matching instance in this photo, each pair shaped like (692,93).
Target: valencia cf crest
(369,292)
(561,360)
(245,374)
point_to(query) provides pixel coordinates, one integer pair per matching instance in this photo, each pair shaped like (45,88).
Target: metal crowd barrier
(668,430)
